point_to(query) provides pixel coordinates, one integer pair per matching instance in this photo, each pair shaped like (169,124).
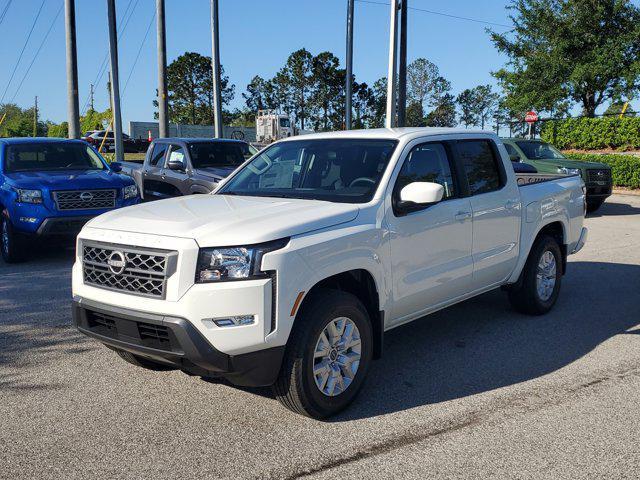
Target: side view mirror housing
(418,196)
(116,167)
(176,165)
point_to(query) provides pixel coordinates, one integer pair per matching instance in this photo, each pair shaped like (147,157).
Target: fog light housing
(230,321)
(28,219)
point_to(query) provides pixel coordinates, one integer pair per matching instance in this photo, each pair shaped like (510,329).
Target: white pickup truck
(291,272)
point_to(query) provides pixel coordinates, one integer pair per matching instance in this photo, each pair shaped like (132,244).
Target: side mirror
(514,157)
(418,196)
(176,165)
(116,167)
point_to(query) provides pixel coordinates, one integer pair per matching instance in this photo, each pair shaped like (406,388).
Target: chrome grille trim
(73,199)
(145,273)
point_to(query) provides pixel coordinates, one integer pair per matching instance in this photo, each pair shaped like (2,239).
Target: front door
(430,249)
(152,173)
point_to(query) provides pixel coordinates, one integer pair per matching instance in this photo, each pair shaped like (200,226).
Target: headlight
(233,263)
(29,196)
(569,171)
(130,191)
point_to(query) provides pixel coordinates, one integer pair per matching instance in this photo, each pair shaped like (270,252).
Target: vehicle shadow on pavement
(35,315)
(482,344)
(610,209)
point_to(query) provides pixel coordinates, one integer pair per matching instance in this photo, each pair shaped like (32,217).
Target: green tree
(18,122)
(415,115)
(615,108)
(297,79)
(444,113)
(582,51)
(477,105)
(379,103)
(327,91)
(257,96)
(190,88)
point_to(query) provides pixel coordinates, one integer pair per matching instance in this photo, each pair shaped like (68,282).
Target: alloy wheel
(546,275)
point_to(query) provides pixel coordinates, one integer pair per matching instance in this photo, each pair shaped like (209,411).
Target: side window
(159,149)
(513,153)
(177,154)
(427,163)
(480,166)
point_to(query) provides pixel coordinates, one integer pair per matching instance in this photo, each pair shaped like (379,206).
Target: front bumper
(173,341)
(581,241)
(64,226)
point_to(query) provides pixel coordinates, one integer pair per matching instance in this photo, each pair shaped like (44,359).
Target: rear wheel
(593,205)
(327,357)
(142,362)
(11,246)
(541,278)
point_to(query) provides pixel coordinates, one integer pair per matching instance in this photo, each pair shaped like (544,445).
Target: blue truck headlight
(130,191)
(233,263)
(29,196)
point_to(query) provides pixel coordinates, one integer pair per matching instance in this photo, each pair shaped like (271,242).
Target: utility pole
(390,120)
(73,109)
(91,96)
(349,81)
(115,85)
(35,118)
(215,65)
(163,118)
(402,68)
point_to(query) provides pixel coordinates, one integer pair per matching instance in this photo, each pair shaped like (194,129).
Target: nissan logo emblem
(86,196)
(117,263)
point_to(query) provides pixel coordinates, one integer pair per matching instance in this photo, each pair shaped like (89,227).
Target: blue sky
(256,38)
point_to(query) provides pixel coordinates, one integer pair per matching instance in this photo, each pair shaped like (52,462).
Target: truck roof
(389,133)
(198,140)
(24,140)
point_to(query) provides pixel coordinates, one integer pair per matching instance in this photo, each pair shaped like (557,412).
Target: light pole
(390,120)
(215,65)
(349,81)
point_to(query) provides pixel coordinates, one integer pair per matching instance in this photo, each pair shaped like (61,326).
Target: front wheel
(327,357)
(593,205)
(541,277)
(10,242)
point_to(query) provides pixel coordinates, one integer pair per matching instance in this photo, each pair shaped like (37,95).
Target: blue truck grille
(129,270)
(84,199)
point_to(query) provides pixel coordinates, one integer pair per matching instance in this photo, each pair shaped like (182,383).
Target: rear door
(152,172)
(495,203)
(430,249)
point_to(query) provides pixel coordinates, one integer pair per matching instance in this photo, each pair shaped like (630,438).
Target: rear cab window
(481,166)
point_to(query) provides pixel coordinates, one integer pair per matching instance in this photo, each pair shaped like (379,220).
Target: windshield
(539,150)
(51,156)
(336,170)
(218,154)
(284,122)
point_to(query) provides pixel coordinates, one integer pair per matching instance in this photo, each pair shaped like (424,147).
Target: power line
(46,35)
(442,14)
(135,61)
(33,25)
(4,11)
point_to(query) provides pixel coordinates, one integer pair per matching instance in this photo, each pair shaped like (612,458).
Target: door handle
(512,205)
(461,216)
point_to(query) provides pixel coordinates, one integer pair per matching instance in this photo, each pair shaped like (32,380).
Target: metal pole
(73,109)
(215,65)
(163,117)
(35,118)
(402,67)
(390,120)
(115,83)
(349,81)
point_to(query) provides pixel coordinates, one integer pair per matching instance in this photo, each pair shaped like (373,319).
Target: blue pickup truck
(52,187)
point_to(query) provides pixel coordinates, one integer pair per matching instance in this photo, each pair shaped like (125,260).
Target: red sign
(531,117)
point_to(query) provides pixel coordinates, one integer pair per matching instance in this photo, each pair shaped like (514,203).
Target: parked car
(52,187)
(130,145)
(184,166)
(291,272)
(548,159)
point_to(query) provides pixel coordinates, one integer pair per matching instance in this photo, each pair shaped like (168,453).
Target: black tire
(296,387)
(142,362)
(593,205)
(526,298)
(11,242)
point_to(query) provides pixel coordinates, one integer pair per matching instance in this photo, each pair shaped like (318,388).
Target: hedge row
(624,168)
(593,133)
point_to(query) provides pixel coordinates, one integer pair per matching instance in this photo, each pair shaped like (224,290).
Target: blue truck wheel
(10,243)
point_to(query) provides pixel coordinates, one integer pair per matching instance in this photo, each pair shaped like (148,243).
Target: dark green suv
(547,159)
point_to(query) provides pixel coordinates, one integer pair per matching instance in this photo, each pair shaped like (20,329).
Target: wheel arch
(362,284)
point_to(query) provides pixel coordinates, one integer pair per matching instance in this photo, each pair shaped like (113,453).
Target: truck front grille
(84,199)
(128,269)
(601,176)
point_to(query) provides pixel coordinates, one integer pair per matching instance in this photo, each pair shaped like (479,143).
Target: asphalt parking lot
(474,391)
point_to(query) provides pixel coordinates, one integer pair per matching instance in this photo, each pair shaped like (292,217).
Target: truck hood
(215,173)
(68,179)
(224,220)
